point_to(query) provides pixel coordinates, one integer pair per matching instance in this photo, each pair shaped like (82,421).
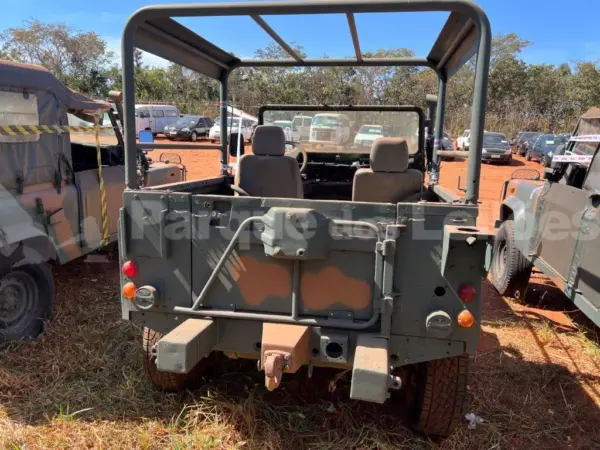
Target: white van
(331,128)
(301,127)
(155,117)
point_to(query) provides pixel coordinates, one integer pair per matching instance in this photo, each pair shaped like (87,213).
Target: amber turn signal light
(465,318)
(129,269)
(128,290)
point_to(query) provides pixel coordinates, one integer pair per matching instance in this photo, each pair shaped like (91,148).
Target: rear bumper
(496,157)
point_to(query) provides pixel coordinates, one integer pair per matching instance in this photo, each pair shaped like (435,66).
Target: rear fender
(28,246)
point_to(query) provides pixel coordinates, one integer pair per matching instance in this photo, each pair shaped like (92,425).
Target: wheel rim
(194,137)
(500,259)
(18,297)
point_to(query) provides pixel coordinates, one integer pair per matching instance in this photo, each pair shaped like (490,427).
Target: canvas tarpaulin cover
(31,95)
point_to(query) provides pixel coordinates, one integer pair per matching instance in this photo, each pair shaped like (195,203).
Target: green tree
(78,59)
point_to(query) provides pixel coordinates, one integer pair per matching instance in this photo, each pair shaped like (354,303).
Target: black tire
(544,161)
(520,150)
(26,298)
(510,270)
(194,136)
(441,387)
(167,381)
(528,155)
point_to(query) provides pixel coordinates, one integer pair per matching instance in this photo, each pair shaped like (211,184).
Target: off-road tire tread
(513,283)
(167,381)
(42,272)
(442,389)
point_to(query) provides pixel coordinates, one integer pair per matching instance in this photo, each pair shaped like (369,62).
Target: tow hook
(274,363)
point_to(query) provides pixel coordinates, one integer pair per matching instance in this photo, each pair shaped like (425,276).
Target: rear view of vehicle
(310,257)
(545,146)
(367,134)
(525,142)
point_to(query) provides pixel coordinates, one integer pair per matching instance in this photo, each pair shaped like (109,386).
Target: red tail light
(129,269)
(467,293)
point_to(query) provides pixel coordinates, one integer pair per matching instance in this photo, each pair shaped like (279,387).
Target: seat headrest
(268,140)
(389,155)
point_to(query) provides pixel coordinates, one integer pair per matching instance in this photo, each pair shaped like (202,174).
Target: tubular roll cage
(466,32)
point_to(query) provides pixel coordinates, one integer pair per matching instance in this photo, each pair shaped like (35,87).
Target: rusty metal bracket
(284,348)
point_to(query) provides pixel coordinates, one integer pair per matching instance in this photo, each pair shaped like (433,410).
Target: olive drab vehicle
(55,204)
(554,224)
(312,256)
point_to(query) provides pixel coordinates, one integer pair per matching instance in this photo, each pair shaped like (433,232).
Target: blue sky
(561,30)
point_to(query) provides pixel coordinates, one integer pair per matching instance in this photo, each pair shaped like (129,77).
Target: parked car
(330,128)
(561,241)
(232,127)
(189,128)
(514,140)
(367,134)
(447,142)
(525,141)
(301,125)
(545,147)
(496,148)
(155,117)
(288,128)
(463,140)
(58,204)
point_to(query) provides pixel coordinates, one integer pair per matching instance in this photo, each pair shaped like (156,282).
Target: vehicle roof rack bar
(343,62)
(354,34)
(271,32)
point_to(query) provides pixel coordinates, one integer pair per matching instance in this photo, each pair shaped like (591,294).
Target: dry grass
(81,386)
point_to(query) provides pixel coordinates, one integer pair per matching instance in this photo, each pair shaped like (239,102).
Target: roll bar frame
(467,32)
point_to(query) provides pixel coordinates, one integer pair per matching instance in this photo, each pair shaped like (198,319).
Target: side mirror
(146,137)
(233,144)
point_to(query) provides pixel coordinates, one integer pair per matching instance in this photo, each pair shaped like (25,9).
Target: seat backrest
(388,180)
(268,172)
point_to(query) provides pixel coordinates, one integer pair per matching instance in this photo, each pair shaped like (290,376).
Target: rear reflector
(467,293)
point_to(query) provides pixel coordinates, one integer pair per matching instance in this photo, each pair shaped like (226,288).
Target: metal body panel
(341,290)
(557,228)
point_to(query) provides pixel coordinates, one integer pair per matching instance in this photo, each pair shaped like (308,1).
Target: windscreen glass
(346,132)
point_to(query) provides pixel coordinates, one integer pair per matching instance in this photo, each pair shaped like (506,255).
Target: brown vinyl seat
(388,180)
(268,172)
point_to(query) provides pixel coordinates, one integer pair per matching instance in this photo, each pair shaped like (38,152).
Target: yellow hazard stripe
(28,130)
(103,205)
(7,130)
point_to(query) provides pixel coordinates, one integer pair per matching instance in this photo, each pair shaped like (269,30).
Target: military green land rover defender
(55,203)
(320,252)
